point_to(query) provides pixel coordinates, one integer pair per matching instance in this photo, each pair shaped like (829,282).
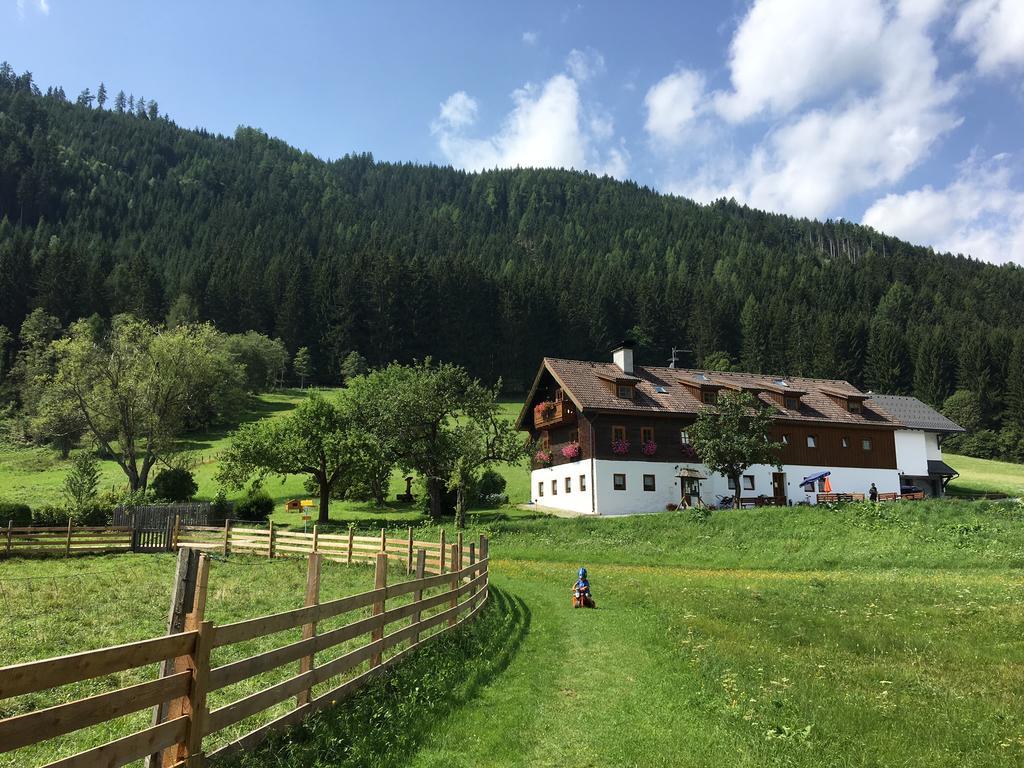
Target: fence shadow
(386,721)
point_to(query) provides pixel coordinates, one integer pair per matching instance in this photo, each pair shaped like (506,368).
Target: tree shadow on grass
(385,722)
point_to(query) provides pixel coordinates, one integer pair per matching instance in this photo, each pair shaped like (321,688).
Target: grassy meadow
(984,476)
(854,636)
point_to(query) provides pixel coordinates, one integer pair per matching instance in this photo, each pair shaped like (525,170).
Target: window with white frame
(748,482)
(649,483)
(583,482)
(619,482)
(812,441)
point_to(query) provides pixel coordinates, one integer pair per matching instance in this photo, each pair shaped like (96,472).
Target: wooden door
(779,487)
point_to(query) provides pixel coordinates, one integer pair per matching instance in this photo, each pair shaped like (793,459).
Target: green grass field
(984,476)
(855,636)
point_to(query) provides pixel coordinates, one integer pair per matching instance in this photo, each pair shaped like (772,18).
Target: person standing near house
(873,493)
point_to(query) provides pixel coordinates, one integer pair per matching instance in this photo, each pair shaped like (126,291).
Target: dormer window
(624,391)
(853,406)
(709,396)
(792,403)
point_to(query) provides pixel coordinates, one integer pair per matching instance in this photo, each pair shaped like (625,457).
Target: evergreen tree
(886,361)
(153,110)
(753,334)
(932,369)
(101,96)
(302,365)
(85,98)
(120,102)
(1014,396)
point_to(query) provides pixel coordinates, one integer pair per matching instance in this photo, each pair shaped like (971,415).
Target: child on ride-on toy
(581,597)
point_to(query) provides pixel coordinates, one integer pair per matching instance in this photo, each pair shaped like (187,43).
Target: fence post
(408,567)
(198,663)
(454,619)
(472,575)
(270,543)
(316,537)
(383,540)
(440,564)
(227,536)
(67,545)
(309,630)
(381,583)
(177,532)
(421,568)
(487,568)
(9,524)
(351,534)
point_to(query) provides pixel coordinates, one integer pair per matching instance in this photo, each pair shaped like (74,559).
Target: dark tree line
(102,212)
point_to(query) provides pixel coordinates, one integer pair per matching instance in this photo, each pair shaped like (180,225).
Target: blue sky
(903,114)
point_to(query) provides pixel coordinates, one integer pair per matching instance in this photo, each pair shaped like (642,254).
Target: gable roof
(915,414)
(585,384)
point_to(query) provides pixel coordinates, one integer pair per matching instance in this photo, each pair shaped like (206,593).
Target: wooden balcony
(564,412)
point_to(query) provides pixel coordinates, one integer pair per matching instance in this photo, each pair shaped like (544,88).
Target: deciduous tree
(733,436)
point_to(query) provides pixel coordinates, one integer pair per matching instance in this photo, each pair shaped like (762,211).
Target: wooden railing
(64,540)
(438,602)
(346,548)
(833,498)
(563,412)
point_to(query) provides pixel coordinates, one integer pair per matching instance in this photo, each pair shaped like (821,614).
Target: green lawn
(984,476)
(854,636)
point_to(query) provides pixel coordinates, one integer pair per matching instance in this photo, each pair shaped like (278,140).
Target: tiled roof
(585,382)
(915,414)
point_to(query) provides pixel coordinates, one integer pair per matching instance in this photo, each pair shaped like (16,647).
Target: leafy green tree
(263,359)
(964,408)
(480,444)
(734,436)
(136,385)
(175,484)
(182,312)
(431,416)
(353,365)
(302,365)
(82,482)
(320,439)
(718,361)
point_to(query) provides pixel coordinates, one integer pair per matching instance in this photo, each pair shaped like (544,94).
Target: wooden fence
(64,540)
(345,548)
(437,604)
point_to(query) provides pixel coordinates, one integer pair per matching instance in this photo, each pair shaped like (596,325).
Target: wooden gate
(153,524)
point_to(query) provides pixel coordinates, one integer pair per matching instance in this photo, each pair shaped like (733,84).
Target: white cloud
(860,104)
(994,29)
(43,7)
(672,104)
(457,111)
(583,65)
(549,126)
(786,52)
(530,38)
(978,214)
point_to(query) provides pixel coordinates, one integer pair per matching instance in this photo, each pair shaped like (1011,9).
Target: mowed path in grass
(683,667)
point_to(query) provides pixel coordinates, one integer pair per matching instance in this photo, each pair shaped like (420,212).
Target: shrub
(221,507)
(491,482)
(256,506)
(49,515)
(19,515)
(175,484)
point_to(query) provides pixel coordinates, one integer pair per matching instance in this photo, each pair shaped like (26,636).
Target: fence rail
(345,548)
(64,540)
(439,602)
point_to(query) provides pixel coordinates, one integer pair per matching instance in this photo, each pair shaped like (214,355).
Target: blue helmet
(583,573)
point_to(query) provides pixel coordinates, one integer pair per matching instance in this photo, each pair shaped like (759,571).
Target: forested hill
(104,211)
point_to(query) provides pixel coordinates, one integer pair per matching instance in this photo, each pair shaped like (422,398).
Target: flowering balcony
(552,413)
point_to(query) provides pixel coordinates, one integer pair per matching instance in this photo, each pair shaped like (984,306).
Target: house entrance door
(779,488)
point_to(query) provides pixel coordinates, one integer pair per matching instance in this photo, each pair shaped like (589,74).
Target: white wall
(636,500)
(580,502)
(912,451)
(931,445)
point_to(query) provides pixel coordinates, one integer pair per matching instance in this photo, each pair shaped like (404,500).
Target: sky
(905,115)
